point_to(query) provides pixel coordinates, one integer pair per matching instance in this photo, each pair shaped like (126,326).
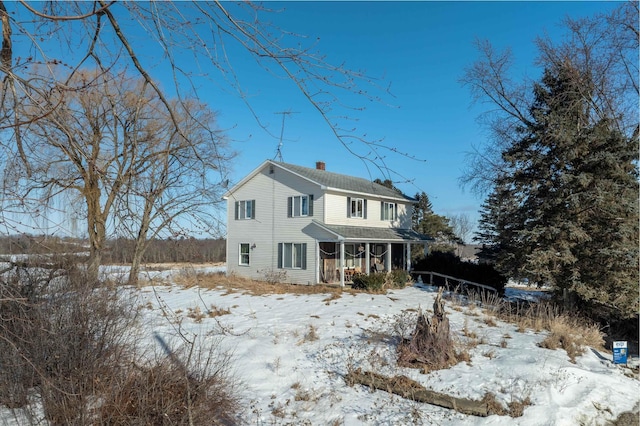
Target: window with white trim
(388,211)
(245,209)
(244,254)
(357,207)
(292,255)
(300,205)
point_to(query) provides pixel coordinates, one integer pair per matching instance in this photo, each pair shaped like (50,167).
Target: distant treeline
(174,250)
(120,250)
(40,244)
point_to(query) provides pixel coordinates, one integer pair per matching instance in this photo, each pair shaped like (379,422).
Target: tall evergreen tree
(388,183)
(562,160)
(496,231)
(571,194)
(421,209)
(425,221)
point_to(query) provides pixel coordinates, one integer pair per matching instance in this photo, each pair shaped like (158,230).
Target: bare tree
(198,41)
(47,48)
(462,226)
(604,46)
(111,143)
(177,181)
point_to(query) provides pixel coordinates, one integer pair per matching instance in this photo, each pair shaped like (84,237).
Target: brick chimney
(320,165)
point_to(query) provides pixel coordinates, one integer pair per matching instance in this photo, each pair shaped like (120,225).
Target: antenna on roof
(279,150)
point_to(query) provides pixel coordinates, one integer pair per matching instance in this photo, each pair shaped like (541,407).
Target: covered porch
(352,250)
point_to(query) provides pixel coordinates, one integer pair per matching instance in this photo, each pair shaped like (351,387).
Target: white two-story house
(308,225)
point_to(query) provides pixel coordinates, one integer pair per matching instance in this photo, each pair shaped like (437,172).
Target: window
(356,207)
(292,255)
(388,211)
(300,205)
(245,209)
(244,254)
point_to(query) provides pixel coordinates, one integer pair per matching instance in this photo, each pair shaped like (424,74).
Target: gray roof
(343,182)
(361,233)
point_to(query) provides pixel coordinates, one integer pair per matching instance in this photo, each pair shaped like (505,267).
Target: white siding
(270,188)
(271,225)
(405,211)
(336,212)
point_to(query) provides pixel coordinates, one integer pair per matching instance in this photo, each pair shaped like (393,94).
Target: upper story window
(388,211)
(356,207)
(300,205)
(245,209)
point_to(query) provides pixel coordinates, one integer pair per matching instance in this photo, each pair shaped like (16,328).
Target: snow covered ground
(291,353)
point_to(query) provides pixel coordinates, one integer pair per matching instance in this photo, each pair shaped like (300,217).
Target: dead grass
(531,316)
(73,342)
(302,395)
(467,332)
(490,321)
(196,314)
(515,408)
(177,265)
(216,311)
(573,336)
(463,355)
(235,284)
(491,354)
(566,331)
(311,335)
(493,405)
(333,296)
(279,411)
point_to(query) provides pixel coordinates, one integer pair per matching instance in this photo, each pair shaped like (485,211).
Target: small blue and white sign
(620,352)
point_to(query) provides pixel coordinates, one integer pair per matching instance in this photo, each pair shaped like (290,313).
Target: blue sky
(421,50)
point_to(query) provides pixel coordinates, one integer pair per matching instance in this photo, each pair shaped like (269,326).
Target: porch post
(341,263)
(319,263)
(387,258)
(408,245)
(367,261)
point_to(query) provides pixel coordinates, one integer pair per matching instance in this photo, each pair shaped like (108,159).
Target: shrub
(72,342)
(60,335)
(450,264)
(273,276)
(400,278)
(170,390)
(371,282)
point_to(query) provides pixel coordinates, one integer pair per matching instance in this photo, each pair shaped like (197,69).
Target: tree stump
(430,346)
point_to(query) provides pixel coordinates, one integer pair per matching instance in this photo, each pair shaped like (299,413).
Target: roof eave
(388,197)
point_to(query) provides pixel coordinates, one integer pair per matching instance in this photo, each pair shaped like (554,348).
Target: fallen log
(410,389)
